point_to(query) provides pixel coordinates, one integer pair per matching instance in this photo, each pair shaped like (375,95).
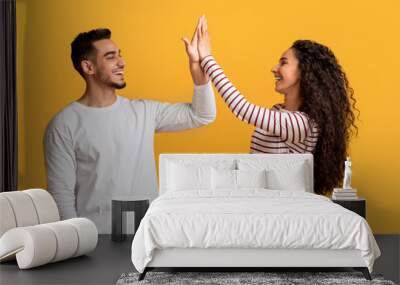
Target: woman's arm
(290,126)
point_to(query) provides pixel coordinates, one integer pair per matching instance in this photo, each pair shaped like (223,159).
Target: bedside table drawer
(357,206)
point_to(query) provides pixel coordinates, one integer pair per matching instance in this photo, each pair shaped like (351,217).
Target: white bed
(236,210)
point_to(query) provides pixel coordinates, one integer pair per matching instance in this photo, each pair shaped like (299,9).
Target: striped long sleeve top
(277,130)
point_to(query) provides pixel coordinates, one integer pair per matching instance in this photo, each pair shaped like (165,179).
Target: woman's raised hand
(203,38)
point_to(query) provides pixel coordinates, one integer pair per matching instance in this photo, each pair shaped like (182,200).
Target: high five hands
(203,38)
(198,48)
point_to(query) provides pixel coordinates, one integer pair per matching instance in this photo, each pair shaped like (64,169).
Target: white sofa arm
(87,235)
(40,244)
(26,208)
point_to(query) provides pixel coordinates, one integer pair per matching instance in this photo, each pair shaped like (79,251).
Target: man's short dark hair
(82,46)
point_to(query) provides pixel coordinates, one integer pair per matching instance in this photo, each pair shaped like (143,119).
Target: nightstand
(357,206)
(120,204)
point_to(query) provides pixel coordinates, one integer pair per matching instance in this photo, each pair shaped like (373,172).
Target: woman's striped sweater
(277,130)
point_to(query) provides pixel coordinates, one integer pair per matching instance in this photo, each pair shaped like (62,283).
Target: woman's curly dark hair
(328,100)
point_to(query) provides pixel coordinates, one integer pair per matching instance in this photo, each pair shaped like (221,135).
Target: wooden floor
(111,259)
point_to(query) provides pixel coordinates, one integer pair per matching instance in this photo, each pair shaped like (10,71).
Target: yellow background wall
(248,38)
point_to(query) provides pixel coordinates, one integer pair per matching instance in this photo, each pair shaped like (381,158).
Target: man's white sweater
(94,153)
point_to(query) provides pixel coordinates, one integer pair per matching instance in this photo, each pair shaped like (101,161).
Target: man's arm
(199,77)
(182,116)
(61,169)
(202,110)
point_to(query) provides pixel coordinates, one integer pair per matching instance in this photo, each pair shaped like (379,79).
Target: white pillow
(251,178)
(189,174)
(291,178)
(237,179)
(219,164)
(281,175)
(223,179)
(188,177)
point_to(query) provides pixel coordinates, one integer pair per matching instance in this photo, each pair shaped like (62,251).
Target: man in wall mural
(102,144)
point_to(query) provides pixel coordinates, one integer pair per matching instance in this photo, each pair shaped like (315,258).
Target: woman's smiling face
(287,73)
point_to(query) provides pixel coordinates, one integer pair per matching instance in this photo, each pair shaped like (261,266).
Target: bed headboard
(210,158)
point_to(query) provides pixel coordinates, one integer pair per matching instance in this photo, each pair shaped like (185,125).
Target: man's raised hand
(191,46)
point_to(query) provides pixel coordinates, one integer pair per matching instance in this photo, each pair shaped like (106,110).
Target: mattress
(251,219)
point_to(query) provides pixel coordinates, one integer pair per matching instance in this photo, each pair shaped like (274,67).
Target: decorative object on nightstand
(347,192)
(357,205)
(347,196)
(123,204)
(347,174)
(344,194)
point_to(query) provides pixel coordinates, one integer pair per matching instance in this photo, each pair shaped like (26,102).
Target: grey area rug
(269,278)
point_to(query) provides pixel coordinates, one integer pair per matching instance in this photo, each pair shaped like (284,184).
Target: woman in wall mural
(317,115)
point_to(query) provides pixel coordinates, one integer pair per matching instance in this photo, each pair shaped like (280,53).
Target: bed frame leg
(364,271)
(143,274)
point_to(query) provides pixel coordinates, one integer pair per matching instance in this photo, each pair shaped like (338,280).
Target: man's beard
(118,85)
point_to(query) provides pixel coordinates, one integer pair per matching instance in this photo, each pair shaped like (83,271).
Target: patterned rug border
(244,278)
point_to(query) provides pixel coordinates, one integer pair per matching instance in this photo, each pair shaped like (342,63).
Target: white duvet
(251,218)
